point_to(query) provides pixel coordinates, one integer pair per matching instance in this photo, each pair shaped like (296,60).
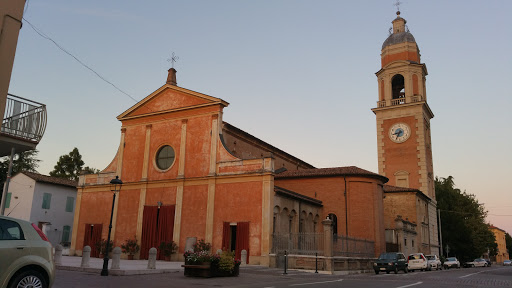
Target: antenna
(173,59)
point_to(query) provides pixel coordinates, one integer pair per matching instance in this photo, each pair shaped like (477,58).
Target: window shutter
(47,198)
(8,200)
(65,233)
(69,204)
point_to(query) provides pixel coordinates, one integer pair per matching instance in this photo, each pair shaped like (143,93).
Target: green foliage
(68,166)
(508,241)
(168,248)
(201,245)
(24,161)
(102,246)
(227,261)
(130,246)
(90,170)
(463,222)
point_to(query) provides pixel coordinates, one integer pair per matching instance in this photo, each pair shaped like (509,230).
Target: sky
(298,74)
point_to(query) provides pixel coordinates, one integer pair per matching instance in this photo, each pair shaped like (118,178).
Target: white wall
(56,215)
(22,189)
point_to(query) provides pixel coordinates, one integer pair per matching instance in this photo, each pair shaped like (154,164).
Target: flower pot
(130,257)
(167,258)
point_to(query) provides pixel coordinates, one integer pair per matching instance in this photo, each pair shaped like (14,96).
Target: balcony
(23,125)
(399,101)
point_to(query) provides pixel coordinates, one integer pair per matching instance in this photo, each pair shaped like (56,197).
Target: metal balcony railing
(23,118)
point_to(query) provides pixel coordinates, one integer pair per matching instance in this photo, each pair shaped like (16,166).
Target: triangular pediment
(170,98)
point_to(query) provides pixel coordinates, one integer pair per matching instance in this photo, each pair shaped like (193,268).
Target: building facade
(46,201)
(403,137)
(188,175)
(501,253)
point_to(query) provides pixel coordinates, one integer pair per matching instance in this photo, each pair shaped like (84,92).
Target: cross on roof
(397,4)
(173,59)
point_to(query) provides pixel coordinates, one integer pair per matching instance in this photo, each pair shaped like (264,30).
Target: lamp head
(116,184)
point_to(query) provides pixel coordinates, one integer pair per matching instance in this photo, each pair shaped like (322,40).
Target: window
(8,200)
(405,242)
(10,230)
(165,157)
(65,233)
(69,204)
(47,199)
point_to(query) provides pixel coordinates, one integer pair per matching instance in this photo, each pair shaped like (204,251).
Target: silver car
(26,255)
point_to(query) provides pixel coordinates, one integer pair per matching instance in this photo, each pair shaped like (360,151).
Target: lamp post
(115,186)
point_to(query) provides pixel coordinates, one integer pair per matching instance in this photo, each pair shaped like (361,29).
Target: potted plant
(130,247)
(101,246)
(167,249)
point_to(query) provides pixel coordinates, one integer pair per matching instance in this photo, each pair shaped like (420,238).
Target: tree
(24,161)
(69,166)
(463,222)
(508,241)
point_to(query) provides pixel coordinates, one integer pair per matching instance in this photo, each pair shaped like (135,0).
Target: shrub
(130,246)
(168,248)
(102,246)
(201,245)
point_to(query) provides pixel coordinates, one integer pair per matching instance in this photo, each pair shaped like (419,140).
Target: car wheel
(29,278)
(396,270)
(387,272)
(406,270)
(376,272)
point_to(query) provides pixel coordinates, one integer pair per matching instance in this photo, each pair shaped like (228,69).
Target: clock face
(399,132)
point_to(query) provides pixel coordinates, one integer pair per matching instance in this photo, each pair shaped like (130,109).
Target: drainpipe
(346,206)
(6,185)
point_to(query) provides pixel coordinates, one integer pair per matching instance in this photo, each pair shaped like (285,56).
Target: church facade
(404,145)
(188,175)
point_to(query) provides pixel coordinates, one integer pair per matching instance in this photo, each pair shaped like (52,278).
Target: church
(188,175)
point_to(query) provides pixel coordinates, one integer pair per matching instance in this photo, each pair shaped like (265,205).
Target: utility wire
(42,34)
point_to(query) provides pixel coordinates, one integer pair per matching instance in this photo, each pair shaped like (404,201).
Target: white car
(433,262)
(417,261)
(506,263)
(479,262)
(451,262)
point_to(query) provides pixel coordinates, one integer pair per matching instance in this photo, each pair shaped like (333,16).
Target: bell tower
(403,123)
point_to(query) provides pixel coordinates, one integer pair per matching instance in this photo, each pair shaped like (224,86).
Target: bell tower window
(397,84)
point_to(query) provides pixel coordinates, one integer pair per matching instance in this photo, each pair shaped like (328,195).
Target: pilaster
(183,144)
(145,164)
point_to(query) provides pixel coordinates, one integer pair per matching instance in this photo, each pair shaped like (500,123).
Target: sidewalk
(127,267)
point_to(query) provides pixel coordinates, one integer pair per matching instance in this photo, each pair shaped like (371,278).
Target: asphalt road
(261,277)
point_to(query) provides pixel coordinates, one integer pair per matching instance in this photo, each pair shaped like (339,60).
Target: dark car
(390,261)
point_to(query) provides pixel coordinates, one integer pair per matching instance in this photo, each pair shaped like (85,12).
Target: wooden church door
(92,236)
(236,238)
(157,227)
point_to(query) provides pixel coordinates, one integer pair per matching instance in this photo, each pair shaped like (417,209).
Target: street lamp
(115,186)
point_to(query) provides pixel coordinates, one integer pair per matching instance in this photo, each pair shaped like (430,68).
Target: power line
(42,34)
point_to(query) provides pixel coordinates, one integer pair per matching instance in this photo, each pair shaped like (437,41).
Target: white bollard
(86,256)
(58,254)
(152,258)
(116,258)
(244,257)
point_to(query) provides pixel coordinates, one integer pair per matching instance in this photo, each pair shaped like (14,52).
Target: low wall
(329,264)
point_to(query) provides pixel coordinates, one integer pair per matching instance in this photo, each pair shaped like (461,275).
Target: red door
(92,236)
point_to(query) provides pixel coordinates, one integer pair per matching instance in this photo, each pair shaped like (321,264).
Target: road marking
(472,274)
(417,283)
(313,283)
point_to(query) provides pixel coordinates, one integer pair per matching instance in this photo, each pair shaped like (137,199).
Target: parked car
(417,261)
(488,262)
(479,262)
(390,261)
(433,262)
(26,253)
(507,263)
(451,262)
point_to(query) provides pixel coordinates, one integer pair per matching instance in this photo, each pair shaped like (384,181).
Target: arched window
(398,85)
(334,220)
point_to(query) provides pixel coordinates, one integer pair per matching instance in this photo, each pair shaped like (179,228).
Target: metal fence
(298,243)
(352,247)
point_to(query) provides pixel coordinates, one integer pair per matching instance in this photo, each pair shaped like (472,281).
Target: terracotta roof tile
(389,188)
(298,196)
(328,172)
(49,179)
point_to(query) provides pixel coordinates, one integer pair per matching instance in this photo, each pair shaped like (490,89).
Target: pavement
(126,267)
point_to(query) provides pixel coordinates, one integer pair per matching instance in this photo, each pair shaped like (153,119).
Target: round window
(165,157)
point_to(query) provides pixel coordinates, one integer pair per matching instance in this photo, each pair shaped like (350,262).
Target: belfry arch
(397,86)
